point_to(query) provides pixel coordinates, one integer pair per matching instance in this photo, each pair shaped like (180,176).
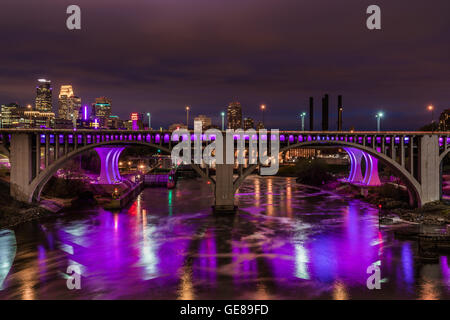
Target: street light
(302,115)
(379,115)
(263,107)
(223,120)
(149,121)
(187,117)
(29,107)
(431,108)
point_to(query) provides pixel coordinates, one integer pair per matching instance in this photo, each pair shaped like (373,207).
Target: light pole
(379,115)
(431,108)
(29,107)
(263,107)
(302,115)
(149,121)
(223,120)
(187,117)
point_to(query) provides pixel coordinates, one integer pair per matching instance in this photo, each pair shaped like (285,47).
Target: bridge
(36,154)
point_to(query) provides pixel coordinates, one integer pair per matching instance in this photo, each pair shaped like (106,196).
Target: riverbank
(392,201)
(13,213)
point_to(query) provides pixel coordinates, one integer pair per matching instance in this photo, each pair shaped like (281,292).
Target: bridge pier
(22,166)
(109,157)
(224,189)
(429,169)
(371,177)
(355,156)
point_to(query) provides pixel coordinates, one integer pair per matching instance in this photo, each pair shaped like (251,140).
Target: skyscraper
(234,115)
(44,96)
(311,114)
(101,110)
(325,113)
(69,104)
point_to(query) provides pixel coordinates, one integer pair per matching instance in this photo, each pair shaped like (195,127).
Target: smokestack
(311,114)
(325,113)
(340,109)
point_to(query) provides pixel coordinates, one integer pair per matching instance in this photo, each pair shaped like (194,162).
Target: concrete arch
(412,183)
(41,180)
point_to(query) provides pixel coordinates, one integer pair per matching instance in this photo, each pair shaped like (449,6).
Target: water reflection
(286,242)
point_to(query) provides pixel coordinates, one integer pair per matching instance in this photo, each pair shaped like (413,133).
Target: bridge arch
(44,176)
(413,185)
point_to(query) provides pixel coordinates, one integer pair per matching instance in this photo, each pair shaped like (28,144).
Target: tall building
(69,105)
(234,115)
(101,110)
(444,120)
(325,113)
(249,123)
(206,121)
(311,114)
(10,115)
(44,96)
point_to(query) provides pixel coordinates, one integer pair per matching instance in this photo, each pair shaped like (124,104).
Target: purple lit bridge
(36,154)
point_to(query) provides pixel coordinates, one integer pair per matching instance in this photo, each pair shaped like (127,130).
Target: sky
(159,55)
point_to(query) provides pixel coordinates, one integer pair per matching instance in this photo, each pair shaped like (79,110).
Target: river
(287,241)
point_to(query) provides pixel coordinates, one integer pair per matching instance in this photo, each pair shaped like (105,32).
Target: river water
(286,242)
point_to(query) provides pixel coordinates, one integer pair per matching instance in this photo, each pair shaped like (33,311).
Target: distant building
(249,123)
(10,115)
(44,96)
(114,122)
(40,119)
(260,125)
(444,120)
(301,153)
(69,105)
(101,110)
(234,115)
(63,124)
(206,121)
(176,126)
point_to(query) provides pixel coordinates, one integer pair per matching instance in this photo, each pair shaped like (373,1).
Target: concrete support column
(109,157)
(402,151)
(47,150)
(411,155)
(371,177)
(38,154)
(66,144)
(393,151)
(224,188)
(56,146)
(21,166)
(355,156)
(429,169)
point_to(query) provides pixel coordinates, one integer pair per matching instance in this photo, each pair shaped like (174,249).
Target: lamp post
(263,107)
(223,120)
(379,115)
(302,115)
(187,117)
(431,108)
(29,107)
(149,121)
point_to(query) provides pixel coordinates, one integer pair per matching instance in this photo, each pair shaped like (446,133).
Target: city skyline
(399,70)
